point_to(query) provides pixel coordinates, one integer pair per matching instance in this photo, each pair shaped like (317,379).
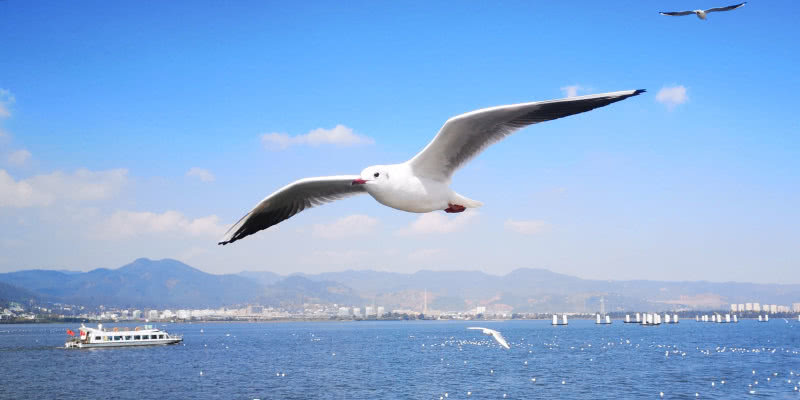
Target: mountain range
(168,283)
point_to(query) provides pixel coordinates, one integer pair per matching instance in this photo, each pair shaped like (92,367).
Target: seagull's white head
(374,175)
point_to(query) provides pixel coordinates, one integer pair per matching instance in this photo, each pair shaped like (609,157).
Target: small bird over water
(701,13)
(493,333)
(421,184)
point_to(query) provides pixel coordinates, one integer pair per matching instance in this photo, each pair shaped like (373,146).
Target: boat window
(106,338)
(152,336)
(117,337)
(160,336)
(97,338)
(127,338)
(137,337)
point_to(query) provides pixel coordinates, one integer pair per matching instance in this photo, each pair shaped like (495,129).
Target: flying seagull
(495,334)
(421,184)
(702,13)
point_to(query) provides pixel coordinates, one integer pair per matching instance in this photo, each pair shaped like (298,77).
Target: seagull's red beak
(358,182)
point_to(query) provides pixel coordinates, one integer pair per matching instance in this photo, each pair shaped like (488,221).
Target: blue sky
(137,130)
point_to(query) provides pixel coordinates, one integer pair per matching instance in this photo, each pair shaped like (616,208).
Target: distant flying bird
(702,13)
(495,334)
(421,184)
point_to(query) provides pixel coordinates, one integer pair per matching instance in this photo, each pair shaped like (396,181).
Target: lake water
(413,359)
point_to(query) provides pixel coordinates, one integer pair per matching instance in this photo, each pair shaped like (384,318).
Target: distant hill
(9,293)
(171,284)
(142,283)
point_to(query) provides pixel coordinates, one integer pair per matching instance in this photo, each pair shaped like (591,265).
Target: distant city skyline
(132,131)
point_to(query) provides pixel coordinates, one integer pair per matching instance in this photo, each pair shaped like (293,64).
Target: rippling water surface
(419,359)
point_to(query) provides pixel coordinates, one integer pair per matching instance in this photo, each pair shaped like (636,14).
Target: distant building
(795,307)
(381,311)
(748,306)
(152,314)
(167,314)
(369,310)
(356,312)
(184,314)
(343,311)
(756,307)
(255,310)
(741,307)
(734,307)
(136,314)
(480,310)
(773,308)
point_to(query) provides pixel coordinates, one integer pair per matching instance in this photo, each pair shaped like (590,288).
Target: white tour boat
(119,337)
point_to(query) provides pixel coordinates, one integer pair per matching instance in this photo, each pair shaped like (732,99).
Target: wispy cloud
(437,223)
(6,100)
(672,96)
(572,90)
(352,225)
(201,173)
(529,227)
(19,157)
(136,223)
(340,135)
(425,254)
(44,190)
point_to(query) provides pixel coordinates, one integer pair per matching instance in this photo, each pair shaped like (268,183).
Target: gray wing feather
(676,13)
(728,8)
(465,136)
(290,200)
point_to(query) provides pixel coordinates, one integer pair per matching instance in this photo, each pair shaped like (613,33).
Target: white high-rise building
(741,307)
(356,312)
(756,307)
(748,306)
(369,310)
(152,314)
(136,314)
(480,310)
(795,307)
(733,307)
(773,308)
(343,311)
(381,311)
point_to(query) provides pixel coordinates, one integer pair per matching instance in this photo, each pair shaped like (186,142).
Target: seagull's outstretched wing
(495,334)
(676,13)
(290,200)
(500,339)
(464,136)
(728,8)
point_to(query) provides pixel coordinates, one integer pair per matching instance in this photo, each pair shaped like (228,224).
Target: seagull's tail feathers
(464,201)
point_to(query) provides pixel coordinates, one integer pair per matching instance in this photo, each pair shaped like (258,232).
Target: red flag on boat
(70,332)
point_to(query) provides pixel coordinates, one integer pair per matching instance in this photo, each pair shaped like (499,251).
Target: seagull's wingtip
(639,91)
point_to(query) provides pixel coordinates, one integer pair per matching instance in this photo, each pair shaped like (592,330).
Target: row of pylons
(651,319)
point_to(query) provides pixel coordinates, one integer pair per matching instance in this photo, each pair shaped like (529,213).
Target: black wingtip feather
(638,92)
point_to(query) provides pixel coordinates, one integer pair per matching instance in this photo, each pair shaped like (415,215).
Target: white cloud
(425,254)
(672,96)
(340,135)
(435,222)
(530,227)
(352,225)
(572,90)
(44,190)
(331,257)
(6,99)
(19,157)
(202,174)
(133,223)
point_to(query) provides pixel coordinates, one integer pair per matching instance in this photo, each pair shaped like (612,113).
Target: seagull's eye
(376,174)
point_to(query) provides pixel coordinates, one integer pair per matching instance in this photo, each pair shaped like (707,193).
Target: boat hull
(157,342)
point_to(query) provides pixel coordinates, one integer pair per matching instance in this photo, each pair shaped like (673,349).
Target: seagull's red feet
(454,208)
